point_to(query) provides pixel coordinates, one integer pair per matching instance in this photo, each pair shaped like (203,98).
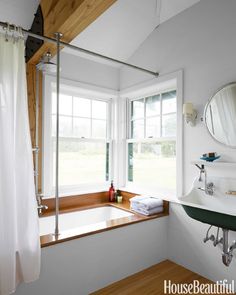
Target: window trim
(149,88)
(119,127)
(145,139)
(129,117)
(85,91)
(150,140)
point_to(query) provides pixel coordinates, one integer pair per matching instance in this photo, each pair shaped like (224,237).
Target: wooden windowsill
(50,239)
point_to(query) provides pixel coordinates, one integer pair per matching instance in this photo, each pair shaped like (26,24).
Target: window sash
(91,117)
(145,139)
(145,117)
(48,139)
(132,183)
(66,190)
(150,140)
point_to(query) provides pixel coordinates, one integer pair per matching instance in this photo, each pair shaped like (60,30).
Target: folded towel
(147,212)
(139,207)
(138,198)
(145,202)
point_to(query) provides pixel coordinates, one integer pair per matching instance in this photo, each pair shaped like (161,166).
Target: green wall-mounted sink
(218,210)
(213,218)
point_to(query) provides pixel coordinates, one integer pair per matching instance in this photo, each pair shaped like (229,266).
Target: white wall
(84,70)
(200,41)
(81,266)
(186,247)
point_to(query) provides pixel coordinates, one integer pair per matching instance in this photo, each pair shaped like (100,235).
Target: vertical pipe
(225,240)
(36,154)
(58,36)
(227,256)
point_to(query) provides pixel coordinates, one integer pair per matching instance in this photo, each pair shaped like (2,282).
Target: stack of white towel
(146,205)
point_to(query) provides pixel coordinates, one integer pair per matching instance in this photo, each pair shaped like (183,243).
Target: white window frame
(173,81)
(85,91)
(148,139)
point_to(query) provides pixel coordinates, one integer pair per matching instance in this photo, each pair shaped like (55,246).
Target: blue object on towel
(210,159)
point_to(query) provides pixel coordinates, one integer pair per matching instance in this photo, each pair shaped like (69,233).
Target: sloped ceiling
(116,33)
(18,12)
(126,24)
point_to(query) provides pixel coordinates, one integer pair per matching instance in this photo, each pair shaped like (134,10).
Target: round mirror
(220,115)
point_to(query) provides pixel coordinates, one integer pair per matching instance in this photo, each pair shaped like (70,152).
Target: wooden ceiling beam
(69,17)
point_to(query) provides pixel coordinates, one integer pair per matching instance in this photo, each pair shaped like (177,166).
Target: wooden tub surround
(88,201)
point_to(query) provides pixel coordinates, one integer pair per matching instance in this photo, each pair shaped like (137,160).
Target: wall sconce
(189,113)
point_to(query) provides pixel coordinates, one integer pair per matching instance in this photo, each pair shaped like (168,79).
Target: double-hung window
(84,142)
(151,144)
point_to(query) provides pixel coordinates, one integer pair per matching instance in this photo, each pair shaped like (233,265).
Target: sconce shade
(189,113)
(188,108)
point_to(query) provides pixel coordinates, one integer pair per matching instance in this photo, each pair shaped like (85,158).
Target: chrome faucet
(40,207)
(208,186)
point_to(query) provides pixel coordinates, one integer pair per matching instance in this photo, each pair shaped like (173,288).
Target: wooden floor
(151,280)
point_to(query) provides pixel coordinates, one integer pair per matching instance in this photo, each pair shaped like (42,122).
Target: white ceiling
(116,33)
(126,24)
(18,12)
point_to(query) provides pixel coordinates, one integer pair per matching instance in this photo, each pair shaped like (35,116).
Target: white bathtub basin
(72,220)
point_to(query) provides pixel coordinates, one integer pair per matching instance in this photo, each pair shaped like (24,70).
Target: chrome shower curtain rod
(73,47)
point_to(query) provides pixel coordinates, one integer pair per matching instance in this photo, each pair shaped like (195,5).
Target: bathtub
(84,220)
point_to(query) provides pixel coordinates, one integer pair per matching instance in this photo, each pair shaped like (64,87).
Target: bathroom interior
(117,146)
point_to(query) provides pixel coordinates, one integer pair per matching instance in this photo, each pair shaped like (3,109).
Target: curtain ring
(7,32)
(14,35)
(10,29)
(20,32)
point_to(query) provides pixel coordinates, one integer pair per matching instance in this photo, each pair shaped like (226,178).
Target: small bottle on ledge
(111,193)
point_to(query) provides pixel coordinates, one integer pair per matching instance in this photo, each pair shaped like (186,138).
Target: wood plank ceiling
(69,18)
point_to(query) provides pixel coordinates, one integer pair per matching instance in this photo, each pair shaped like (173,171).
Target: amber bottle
(111,193)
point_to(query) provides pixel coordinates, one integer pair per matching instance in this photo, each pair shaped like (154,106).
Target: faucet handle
(210,188)
(202,167)
(41,208)
(210,185)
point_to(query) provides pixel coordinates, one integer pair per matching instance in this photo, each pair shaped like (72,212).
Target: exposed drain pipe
(227,254)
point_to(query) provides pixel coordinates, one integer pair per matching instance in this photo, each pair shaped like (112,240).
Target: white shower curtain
(19,233)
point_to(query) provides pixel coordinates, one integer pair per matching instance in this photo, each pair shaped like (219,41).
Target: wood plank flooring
(151,280)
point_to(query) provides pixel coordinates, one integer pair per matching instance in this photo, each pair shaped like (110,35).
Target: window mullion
(160,114)
(151,140)
(108,119)
(91,120)
(128,119)
(72,115)
(145,121)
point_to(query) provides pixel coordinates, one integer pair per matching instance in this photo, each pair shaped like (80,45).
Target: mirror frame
(205,110)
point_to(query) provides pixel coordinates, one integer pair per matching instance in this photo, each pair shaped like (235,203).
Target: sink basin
(218,210)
